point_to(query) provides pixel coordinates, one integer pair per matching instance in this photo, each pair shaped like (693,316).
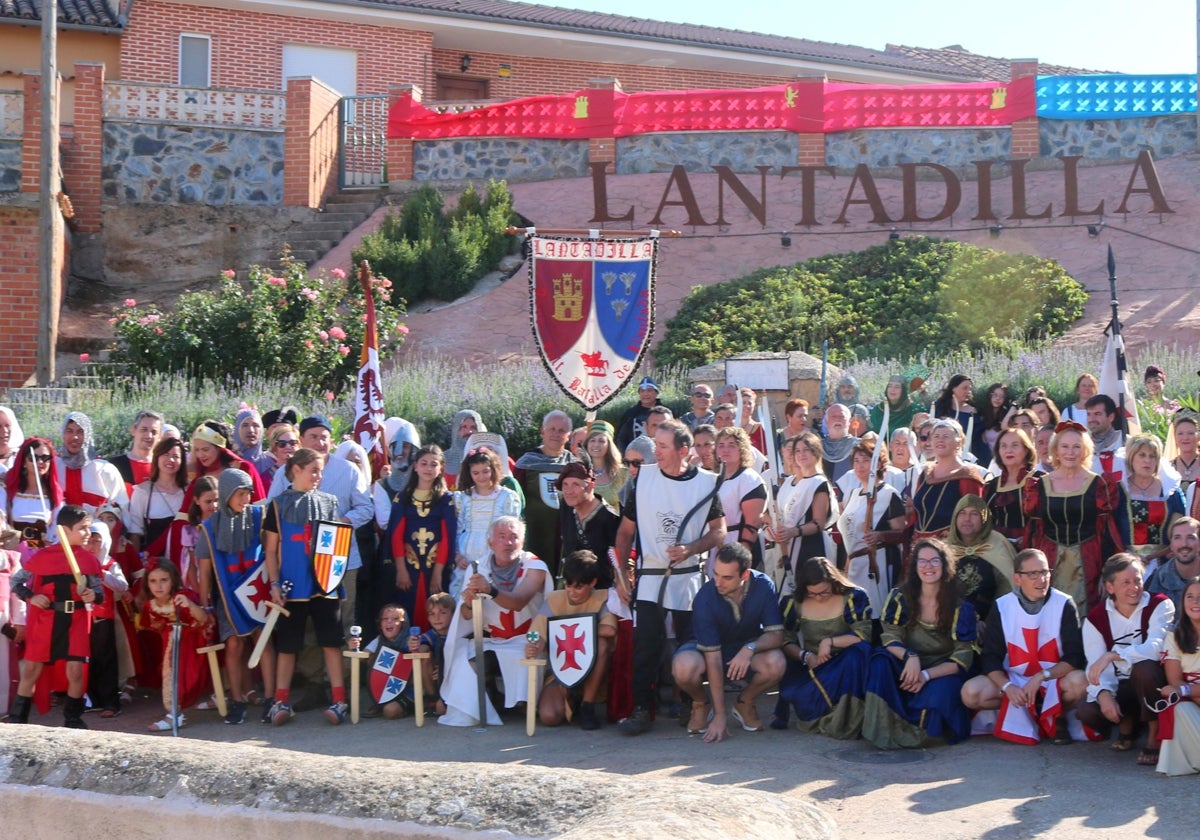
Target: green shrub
(911,295)
(275,325)
(429,253)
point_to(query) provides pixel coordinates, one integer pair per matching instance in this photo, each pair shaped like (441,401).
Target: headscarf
(494,442)
(363,467)
(88,451)
(458,445)
(249,453)
(981,541)
(846,379)
(15,439)
(105,541)
(234,532)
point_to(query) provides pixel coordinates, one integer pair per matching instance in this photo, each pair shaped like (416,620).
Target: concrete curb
(416,799)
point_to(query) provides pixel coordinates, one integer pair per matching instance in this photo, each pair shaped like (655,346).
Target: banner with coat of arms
(592,310)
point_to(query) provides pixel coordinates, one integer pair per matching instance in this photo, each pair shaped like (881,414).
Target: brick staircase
(343,212)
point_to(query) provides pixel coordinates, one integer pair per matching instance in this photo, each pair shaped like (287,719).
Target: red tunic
(50,634)
(194,678)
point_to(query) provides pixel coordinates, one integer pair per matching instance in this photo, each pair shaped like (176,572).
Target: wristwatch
(1046,674)
(752,646)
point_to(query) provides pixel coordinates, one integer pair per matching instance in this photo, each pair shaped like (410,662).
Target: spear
(1118,343)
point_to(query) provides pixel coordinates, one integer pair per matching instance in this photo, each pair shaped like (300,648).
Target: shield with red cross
(572,641)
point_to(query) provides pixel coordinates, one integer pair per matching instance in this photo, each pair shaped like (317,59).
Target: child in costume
(104,665)
(440,609)
(392,626)
(479,501)
(229,551)
(287,546)
(58,624)
(421,534)
(578,597)
(168,602)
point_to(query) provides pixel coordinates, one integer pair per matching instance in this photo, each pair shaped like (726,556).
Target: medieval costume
(984,566)
(897,719)
(422,533)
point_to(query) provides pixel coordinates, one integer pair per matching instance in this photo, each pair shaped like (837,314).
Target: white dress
(1180,754)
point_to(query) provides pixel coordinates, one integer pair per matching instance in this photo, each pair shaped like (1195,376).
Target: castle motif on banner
(568,298)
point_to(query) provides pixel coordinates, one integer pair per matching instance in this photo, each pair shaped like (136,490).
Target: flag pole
(1118,343)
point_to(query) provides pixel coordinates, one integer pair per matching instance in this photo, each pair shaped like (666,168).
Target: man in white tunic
(676,515)
(515,583)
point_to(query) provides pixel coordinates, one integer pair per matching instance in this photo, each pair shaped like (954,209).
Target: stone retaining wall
(516,159)
(150,163)
(894,146)
(1119,139)
(700,151)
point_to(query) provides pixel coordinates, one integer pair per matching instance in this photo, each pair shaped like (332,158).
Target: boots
(73,713)
(20,709)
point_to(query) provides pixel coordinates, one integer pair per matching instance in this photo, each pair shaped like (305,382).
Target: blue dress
(897,719)
(829,698)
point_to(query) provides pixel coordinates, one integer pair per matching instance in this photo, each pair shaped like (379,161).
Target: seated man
(738,635)
(1032,657)
(579,598)
(514,583)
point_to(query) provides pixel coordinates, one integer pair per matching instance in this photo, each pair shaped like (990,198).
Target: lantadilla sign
(821,195)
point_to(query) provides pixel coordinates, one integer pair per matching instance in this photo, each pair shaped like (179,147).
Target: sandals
(109,714)
(1124,743)
(698,722)
(164,725)
(1148,757)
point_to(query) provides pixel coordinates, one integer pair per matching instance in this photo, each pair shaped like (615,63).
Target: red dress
(194,678)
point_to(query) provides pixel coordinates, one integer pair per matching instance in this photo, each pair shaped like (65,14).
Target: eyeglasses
(702,394)
(1163,704)
(929,561)
(922,437)
(1036,573)
(43,459)
(824,593)
(287,443)
(634,464)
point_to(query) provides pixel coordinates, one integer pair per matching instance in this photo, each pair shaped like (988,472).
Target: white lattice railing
(262,109)
(12,114)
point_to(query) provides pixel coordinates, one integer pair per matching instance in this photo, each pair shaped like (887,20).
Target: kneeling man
(1032,657)
(738,635)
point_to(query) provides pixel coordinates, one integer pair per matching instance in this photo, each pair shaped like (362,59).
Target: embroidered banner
(592,311)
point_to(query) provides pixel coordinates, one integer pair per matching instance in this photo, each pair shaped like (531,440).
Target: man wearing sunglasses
(701,413)
(1032,658)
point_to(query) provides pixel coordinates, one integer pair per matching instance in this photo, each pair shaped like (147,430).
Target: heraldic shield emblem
(331,554)
(389,675)
(572,641)
(592,304)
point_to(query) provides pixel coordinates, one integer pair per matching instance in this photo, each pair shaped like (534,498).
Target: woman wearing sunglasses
(282,441)
(1123,639)
(1178,716)
(1075,516)
(32,495)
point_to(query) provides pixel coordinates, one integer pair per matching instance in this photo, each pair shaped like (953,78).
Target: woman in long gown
(808,508)
(1179,723)
(827,628)
(1016,458)
(1075,516)
(943,482)
(914,683)
(872,547)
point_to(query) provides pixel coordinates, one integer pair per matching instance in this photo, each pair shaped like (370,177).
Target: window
(195,53)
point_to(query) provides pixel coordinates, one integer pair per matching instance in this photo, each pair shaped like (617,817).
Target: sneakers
(746,715)
(268,707)
(587,717)
(236,714)
(637,722)
(337,713)
(281,713)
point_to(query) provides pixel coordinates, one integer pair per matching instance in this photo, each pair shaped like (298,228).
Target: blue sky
(1151,36)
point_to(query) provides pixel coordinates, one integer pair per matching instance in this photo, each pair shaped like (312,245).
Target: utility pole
(49,219)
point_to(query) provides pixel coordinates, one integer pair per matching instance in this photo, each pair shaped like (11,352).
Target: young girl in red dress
(168,602)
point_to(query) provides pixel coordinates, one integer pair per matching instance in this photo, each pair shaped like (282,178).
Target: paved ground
(980,789)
